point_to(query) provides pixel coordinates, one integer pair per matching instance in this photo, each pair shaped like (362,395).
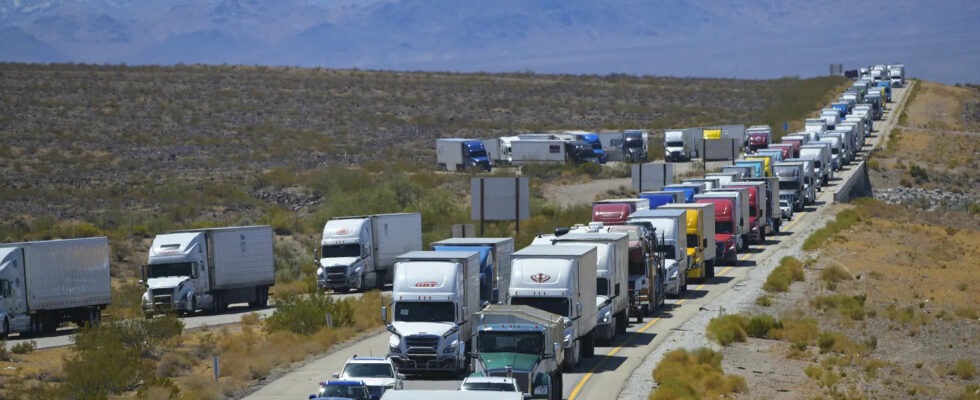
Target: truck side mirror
(578,307)
(466,312)
(384,314)
(142,274)
(335,375)
(496,296)
(316,255)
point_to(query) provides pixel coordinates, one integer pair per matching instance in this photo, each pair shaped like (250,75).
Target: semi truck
(809,179)
(433,298)
(359,252)
(760,219)
(749,227)
(494,263)
(635,148)
(615,211)
(592,140)
(208,269)
(455,154)
(689,189)
(680,145)
(521,342)
(770,187)
(836,150)
(46,283)
(760,136)
(726,243)
(820,154)
(700,238)
(659,198)
(741,172)
(758,167)
(708,182)
(735,214)
(560,280)
(724,178)
(791,184)
(814,127)
(669,227)
(612,268)
(766,163)
(645,289)
(526,151)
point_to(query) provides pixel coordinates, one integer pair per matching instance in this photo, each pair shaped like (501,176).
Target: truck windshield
(174,269)
(788,185)
(692,241)
(510,342)
(723,228)
(633,142)
(597,145)
(488,386)
(341,250)
(602,287)
(478,153)
(554,305)
(435,311)
(674,144)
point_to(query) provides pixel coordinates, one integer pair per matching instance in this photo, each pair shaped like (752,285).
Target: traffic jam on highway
(477,310)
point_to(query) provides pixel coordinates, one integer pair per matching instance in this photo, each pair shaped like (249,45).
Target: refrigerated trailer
(43,284)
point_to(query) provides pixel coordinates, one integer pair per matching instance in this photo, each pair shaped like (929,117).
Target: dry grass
(937,106)
(789,270)
(694,374)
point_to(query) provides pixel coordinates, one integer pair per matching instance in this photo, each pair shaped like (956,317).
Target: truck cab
(581,152)
(612,265)
(494,263)
(759,139)
(434,296)
(659,198)
(672,241)
(175,273)
(678,146)
(358,252)
(726,227)
(522,342)
(560,280)
(791,184)
(456,154)
(635,145)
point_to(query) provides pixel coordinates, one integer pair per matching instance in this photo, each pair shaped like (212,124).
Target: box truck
(455,154)
(612,263)
(791,183)
(758,215)
(433,298)
(809,179)
(771,189)
(208,269)
(748,228)
(726,243)
(521,342)
(820,154)
(43,284)
(494,263)
(359,252)
(560,280)
(700,238)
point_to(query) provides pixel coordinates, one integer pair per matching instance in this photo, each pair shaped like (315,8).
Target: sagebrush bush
(684,374)
(965,369)
(834,273)
(727,329)
(849,306)
(796,330)
(24,347)
(306,314)
(844,220)
(789,270)
(760,325)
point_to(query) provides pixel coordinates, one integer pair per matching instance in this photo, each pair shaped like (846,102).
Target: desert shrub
(101,363)
(965,369)
(903,315)
(826,341)
(814,372)
(760,325)
(764,301)
(970,392)
(872,366)
(850,306)
(305,315)
(24,347)
(251,318)
(728,328)
(796,330)
(834,274)
(696,374)
(172,363)
(789,270)
(966,313)
(4,353)
(844,220)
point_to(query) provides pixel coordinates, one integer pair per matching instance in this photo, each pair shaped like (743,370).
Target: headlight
(390,386)
(541,390)
(673,275)
(449,349)
(605,317)
(319,271)
(394,341)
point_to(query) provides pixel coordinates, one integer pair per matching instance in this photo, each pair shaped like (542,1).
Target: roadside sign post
(499,199)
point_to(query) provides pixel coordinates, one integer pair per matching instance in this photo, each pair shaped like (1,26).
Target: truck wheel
(639,314)
(6,329)
(621,322)
(762,235)
(556,386)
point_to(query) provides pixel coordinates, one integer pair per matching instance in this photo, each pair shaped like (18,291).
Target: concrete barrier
(856,185)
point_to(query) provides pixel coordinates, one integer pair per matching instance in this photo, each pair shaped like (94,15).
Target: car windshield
(784,203)
(602,287)
(489,386)
(510,342)
(554,305)
(344,391)
(368,370)
(174,269)
(341,251)
(723,228)
(434,311)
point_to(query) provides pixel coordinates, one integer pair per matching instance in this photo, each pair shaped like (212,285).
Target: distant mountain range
(756,39)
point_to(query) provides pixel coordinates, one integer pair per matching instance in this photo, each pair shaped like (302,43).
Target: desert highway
(605,375)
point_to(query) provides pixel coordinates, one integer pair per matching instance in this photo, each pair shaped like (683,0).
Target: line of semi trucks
(476,305)
(457,154)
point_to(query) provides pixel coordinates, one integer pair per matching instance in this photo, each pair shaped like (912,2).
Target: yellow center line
(795,220)
(581,383)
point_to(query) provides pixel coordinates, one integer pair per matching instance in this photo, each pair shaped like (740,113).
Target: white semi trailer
(43,284)
(208,269)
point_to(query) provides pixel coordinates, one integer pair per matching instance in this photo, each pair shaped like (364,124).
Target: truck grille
(337,275)
(420,344)
(376,390)
(162,296)
(719,250)
(522,379)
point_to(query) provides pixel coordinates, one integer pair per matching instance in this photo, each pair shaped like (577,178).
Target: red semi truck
(726,248)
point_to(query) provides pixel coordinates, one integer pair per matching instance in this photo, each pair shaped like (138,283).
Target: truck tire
(621,322)
(557,388)
(640,312)
(6,329)
(762,235)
